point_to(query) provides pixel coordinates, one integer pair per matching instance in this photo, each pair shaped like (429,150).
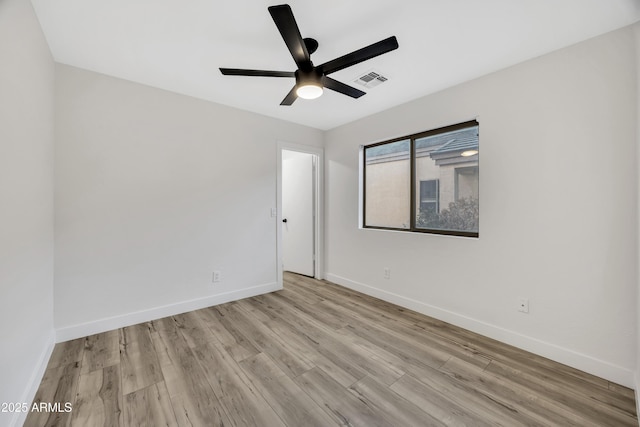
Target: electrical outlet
(387,273)
(523,305)
(216,276)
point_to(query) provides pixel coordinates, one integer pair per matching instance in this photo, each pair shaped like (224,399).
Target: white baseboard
(583,362)
(107,324)
(34,382)
(637,389)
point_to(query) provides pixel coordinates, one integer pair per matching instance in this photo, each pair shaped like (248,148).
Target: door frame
(318,180)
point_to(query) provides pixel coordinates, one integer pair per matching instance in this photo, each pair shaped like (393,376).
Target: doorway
(299,219)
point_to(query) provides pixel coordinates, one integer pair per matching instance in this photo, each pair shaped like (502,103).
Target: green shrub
(461,215)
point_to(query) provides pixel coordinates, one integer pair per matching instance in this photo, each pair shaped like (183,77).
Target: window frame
(412,191)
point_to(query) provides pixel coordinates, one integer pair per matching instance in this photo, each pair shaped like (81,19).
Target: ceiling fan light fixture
(309,84)
(309,91)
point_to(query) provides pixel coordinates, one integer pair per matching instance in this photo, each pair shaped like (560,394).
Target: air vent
(371,79)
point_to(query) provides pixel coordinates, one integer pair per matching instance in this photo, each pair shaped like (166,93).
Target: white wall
(26,204)
(558,209)
(153,192)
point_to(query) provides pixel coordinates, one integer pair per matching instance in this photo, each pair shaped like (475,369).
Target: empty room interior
(399,214)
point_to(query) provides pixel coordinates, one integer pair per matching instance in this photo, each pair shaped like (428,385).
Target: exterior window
(427,182)
(429,196)
(388,185)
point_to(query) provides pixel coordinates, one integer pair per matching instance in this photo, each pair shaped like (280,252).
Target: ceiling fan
(311,79)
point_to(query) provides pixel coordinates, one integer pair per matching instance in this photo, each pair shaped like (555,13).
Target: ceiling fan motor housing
(310,44)
(312,77)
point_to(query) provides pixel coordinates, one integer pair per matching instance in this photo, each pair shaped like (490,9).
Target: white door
(297,212)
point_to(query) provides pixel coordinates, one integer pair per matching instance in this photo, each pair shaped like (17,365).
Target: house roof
(458,141)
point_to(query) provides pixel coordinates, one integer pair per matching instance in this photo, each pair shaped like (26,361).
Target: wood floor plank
(222,335)
(373,351)
(571,397)
(337,402)
(66,353)
(437,404)
(57,388)
(334,346)
(101,350)
(335,366)
(281,308)
(241,400)
(285,356)
(480,403)
(340,370)
(249,307)
(331,319)
(190,393)
(391,341)
(193,329)
(218,312)
(286,398)
(301,295)
(111,396)
(99,401)
(623,392)
(370,314)
(412,353)
(522,399)
(149,407)
(138,359)
(395,409)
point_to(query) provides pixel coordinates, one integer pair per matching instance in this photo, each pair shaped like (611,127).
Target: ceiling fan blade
(286,23)
(256,73)
(291,96)
(332,84)
(360,55)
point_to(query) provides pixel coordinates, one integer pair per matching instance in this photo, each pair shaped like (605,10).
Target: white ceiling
(178,45)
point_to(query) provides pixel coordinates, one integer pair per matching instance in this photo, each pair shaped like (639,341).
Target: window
(427,182)
(429,196)
(388,201)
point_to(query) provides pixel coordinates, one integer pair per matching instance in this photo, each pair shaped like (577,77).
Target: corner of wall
(34,381)
(636,31)
(637,389)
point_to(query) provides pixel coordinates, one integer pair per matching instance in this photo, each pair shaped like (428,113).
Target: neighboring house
(446,171)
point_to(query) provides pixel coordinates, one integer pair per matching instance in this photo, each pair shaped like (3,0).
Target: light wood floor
(316,354)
